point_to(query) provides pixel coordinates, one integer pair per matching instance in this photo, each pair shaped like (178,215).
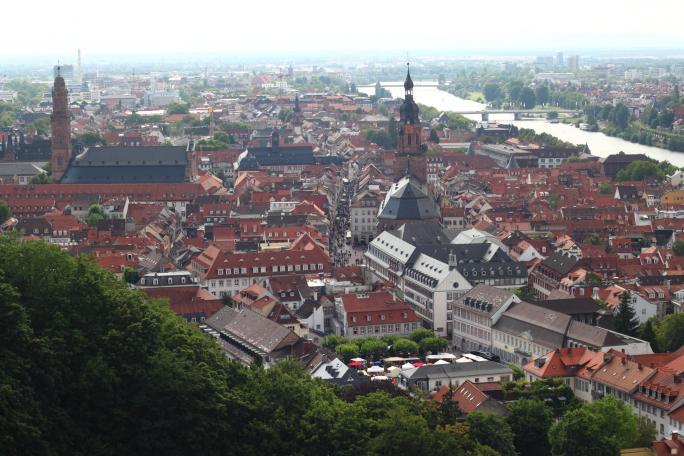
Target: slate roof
(289,154)
(408,200)
(455,370)
(542,326)
(118,164)
(252,329)
(132,156)
(486,294)
(572,306)
(19,169)
(625,158)
(123,174)
(560,262)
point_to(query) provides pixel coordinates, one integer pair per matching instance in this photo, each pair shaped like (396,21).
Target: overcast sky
(57,28)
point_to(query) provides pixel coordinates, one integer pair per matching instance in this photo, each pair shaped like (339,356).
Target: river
(599,143)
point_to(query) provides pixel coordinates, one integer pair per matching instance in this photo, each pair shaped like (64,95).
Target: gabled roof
(408,200)
(252,329)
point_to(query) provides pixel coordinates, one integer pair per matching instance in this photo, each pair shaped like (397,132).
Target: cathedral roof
(408,200)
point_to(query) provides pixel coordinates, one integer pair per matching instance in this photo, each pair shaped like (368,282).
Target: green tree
(5,212)
(90,138)
(448,410)
(670,332)
(647,332)
(493,431)
(433,344)
(40,126)
(605,188)
(646,433)
(420,334)
(373,348)
(405,347)
(530,421)
(347,351)
(95,214)
(7,119)
(602,427)
(678,247)
(177,108)
(579,434)
(554,201)
(542,94)
(619,117)
(433,136)
(491,91)
(41,178)
(625,320)
(332,340)
(594,239)
(527,99)
(285,115)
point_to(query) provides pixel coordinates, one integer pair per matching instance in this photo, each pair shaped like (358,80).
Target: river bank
(599,143)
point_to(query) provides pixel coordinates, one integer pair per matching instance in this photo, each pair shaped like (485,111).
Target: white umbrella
(393,372)
(375,370)
(441,361)
(407,366)
(358,360)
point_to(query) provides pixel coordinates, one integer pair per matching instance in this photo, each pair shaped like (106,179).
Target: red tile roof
(376,308)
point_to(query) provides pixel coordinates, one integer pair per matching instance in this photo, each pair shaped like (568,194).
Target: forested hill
(88,367)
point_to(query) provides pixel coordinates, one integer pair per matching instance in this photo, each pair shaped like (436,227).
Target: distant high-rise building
(545,60)
(632,74)
(79,69)
(60,127)
(559,59)
(573,63)
(65,71)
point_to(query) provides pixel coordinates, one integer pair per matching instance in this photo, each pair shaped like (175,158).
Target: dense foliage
(640,170)
(602,427)
(91,367)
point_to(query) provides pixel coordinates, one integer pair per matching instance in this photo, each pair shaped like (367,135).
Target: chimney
(675,435)
(639,366)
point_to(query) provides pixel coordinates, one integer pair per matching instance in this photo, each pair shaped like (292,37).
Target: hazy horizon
(53,31)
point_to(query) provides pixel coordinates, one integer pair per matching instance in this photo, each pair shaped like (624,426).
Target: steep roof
(252,329)
(408,200)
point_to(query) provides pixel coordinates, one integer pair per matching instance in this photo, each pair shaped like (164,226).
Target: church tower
(60,128)
(408,200)
(410,158)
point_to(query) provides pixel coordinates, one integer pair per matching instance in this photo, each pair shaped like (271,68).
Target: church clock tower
(410,157)
(60,128)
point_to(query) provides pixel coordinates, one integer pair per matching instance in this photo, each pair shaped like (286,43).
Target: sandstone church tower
(410,158)
(60,128)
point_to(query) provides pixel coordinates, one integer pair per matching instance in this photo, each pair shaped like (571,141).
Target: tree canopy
(603,427)
(92,367)
(625,320)
(641,169)
(5,212)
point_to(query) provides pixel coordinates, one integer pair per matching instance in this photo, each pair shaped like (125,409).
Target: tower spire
(408,83)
